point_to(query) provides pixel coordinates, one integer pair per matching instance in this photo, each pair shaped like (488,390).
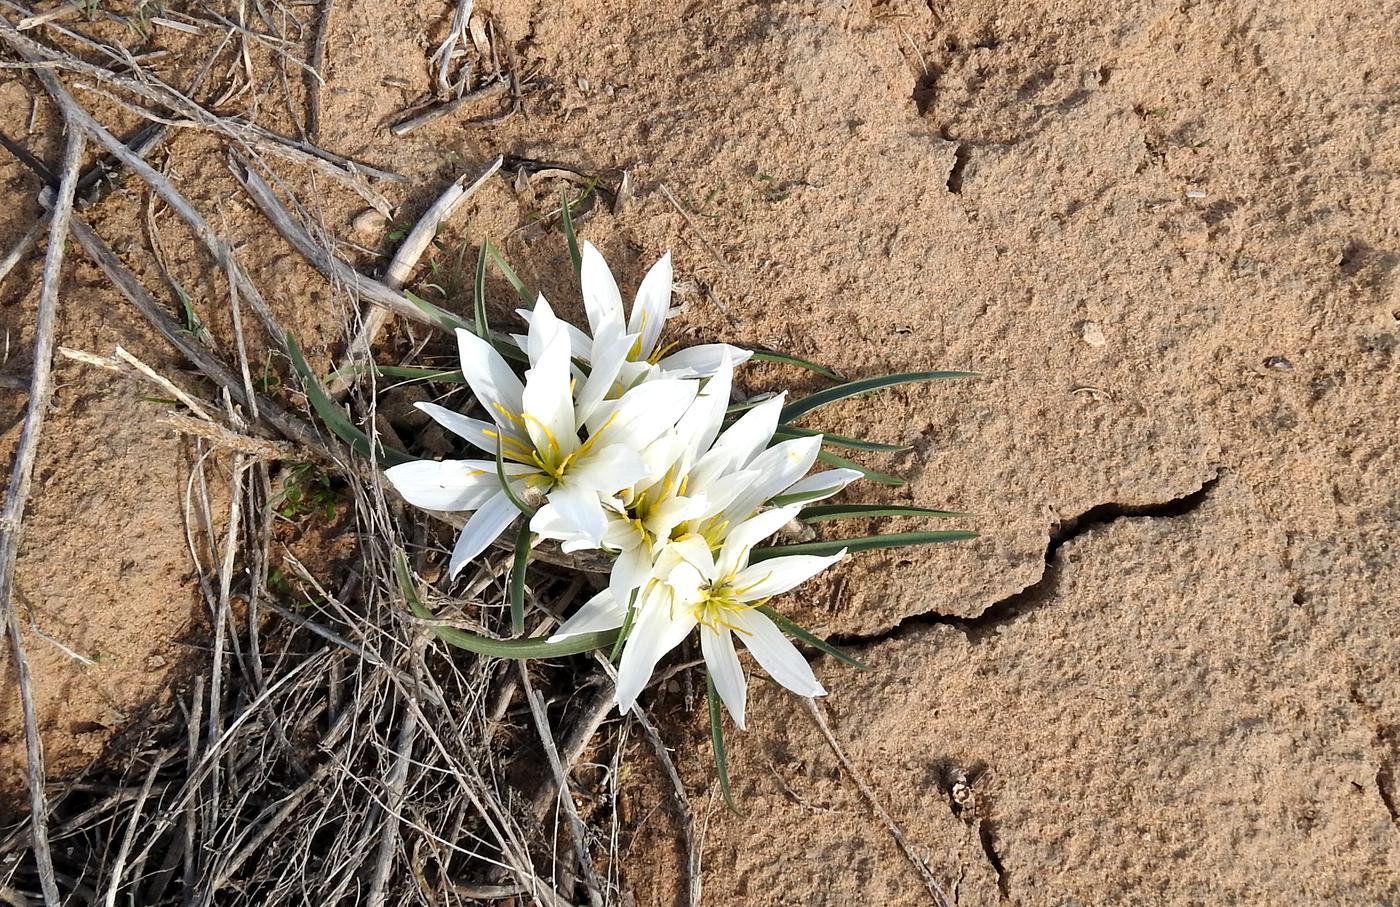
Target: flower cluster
(610,441)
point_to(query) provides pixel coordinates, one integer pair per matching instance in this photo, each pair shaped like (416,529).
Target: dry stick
(389,831)
(322,259)
(561,781)
(419,120)
(443,55)
(586,725)
(40,392)
(75,114)
(819,716)
(289,426)
(316,75)
(686,814)
(125,850)
(402,264)
(21,248)
(123,362)
(685,215)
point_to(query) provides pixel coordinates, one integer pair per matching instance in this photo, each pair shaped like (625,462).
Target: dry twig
(40,392)
(935,890)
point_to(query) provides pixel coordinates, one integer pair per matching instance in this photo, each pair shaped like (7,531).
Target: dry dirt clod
(369,224)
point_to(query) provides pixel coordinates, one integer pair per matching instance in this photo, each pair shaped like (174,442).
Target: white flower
(557,434)
(644,358)
(691,586)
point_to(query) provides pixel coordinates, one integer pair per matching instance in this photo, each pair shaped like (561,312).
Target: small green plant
(308,491)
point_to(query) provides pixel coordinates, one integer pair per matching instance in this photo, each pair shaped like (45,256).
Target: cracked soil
(1166,233)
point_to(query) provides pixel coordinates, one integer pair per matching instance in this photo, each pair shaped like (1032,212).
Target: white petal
(734,555)
(482,529)
(608,352)
(629,571)
(573,516)
(723,664)
(548,404)
(777,575)
(474,431)
(490,377)
(779,467)
(579,342)
(743,440)
(701,361)
(450,485)
(659,628)
(544,327)
(652,303)
(607,469)
(601,612)
(601,298)
(704,418)
(821,485)
(776,654)
(648,410)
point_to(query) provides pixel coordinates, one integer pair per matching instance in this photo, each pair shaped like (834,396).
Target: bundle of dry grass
(325,749)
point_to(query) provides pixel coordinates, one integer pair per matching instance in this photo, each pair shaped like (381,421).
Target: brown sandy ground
(1167,235)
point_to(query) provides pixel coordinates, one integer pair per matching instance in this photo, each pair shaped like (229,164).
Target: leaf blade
(811,638)
(798,408)
(786,359)
(863,543)
(523,542)
(867,511)
(333,417)
(528,647)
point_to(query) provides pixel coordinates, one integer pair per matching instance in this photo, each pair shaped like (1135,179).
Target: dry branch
(40,392)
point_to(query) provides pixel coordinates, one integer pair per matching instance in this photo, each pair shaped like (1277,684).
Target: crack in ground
(1039,592)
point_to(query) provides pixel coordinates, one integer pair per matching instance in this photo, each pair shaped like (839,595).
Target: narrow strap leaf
(569,236)
(405,372)
(799,408)
(523,542)
(865,511)
(717,742)
(443,318)
(528,647)
(526,297)
(874,475)
(826,548)
(479,295)
(627,620)
(505,485)
(785,432)
(333,417)
(785,359)
(811,639)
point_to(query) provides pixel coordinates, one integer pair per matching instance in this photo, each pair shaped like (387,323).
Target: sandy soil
(1165,233)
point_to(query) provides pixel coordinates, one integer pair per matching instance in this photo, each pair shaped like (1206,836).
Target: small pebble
(369,223)
(1093,334)
(155,661)
(1195,193)
(1278,363)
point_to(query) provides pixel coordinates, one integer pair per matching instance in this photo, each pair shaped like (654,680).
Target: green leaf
(863,543)
(866,511)
(333,416)
(627,620)
(784,432)
(528,647)
(874,475)
(523,542)
(479,296)
(440,316)
(505,486)
(785,359)
(810,638)
(526,297)
(717,741)
(570,236)
(784,500)
(406,372)
(798,408)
